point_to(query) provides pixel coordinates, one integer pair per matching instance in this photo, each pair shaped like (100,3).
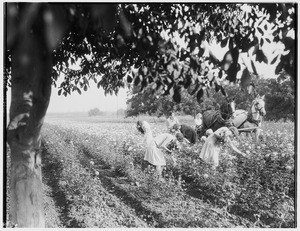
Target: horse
(215,119)
(227,108)
(250,121)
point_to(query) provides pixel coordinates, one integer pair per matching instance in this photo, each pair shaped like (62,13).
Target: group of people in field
(178,134)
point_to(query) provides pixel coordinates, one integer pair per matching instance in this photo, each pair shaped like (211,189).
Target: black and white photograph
(149,115)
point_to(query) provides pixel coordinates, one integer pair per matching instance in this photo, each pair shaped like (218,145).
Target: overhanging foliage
(145,36)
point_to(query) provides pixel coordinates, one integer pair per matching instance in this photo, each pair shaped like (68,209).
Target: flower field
(97,175)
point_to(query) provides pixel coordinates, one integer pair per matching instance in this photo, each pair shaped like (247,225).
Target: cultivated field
(95,176)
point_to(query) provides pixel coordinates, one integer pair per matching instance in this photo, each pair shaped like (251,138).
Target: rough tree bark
(33,31)
(30,94)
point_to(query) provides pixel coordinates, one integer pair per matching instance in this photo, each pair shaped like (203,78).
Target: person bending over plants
(152,154)
(212,146)
(169,142)
(187,131)
(165,141)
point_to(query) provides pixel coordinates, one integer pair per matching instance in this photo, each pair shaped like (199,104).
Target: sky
(92,98)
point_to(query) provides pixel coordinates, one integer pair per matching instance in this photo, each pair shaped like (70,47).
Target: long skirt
(210,151)
(154,156)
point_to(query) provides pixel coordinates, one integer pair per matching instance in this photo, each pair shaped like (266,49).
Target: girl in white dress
(212,146)
(167,141)
(153,155)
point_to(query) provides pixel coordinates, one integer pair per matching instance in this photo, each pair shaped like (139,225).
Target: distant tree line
(279,96)
(97,112)
(94,112)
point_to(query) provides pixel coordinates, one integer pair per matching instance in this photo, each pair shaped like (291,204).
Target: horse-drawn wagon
(242,120)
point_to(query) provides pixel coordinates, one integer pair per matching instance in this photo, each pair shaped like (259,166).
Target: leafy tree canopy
(153,104)
(137,44)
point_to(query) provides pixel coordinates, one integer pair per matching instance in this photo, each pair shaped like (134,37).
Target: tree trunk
(30,94)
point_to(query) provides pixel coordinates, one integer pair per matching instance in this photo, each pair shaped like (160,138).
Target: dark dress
(189,133)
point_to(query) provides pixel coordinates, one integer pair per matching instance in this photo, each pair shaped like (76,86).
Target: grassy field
(95,176)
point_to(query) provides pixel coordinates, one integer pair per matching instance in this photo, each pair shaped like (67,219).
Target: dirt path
(59,205)
(56,202)
(110,182)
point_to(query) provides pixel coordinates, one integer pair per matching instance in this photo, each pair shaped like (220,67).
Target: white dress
(153,155)
(211,148)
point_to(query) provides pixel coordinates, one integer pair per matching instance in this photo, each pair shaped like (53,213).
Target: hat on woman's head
(179,136)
